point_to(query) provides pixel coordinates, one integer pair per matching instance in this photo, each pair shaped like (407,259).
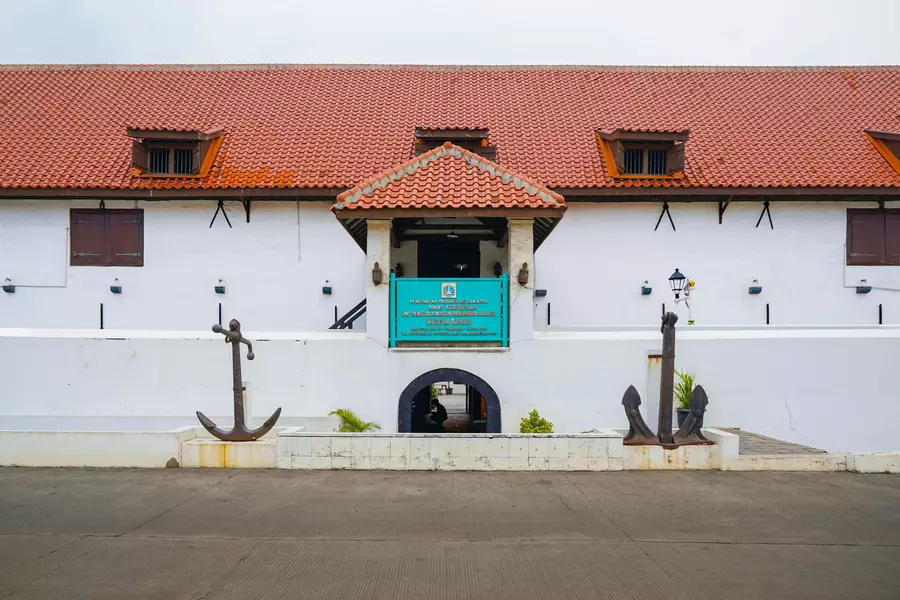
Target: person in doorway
(438,415)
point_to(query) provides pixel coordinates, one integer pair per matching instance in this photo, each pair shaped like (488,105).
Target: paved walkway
(172,534)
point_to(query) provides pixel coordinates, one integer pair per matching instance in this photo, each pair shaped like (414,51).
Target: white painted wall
(274,268)
(829,388)
(595,261)
(490,256)
(408,256)
(592,265)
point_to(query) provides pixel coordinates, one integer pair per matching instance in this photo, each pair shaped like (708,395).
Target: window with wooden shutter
(873,236)
(126,237)
(88,238)
(892,237)
(140,156)
(107,237)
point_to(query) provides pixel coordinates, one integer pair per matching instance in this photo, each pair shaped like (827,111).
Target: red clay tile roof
(331,127)
(448,177)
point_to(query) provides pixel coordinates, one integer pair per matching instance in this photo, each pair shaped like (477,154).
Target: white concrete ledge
(599,451)
(790,462)
(724,332)
(295,448)
(873,462)
(92,448)
(177,334)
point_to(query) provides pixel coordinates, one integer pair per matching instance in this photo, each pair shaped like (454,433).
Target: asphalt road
(170,534)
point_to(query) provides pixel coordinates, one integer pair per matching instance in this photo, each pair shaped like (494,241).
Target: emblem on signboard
(448,290)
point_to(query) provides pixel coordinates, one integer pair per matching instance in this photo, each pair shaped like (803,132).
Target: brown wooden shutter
(126,234)
(892,237)
(140,155)
(865,237)
(675,158)
(893,146)
(87,236)
(618,150)
(199,155)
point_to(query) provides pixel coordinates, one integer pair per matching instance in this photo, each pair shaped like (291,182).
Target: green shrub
(434,391)
(683,388)
(350,423)
(534,423)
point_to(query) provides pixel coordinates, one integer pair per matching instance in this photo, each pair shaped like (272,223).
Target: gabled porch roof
(448,181)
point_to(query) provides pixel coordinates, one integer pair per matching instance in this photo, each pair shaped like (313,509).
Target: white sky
(635,32)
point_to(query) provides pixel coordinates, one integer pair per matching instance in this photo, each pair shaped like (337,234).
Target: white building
(141,205)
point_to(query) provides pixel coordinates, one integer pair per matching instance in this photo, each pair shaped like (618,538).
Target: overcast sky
(639,32)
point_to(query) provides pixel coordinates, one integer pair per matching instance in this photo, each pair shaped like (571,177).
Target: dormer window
(171,160)
(165,153)
(888,145)
(643,153)
(474,140)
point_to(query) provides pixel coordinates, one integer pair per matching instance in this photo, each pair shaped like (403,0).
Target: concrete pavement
(167,534)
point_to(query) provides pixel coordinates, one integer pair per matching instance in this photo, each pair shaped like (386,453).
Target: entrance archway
(492,402)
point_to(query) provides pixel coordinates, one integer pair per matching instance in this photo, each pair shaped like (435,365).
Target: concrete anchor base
(202,453)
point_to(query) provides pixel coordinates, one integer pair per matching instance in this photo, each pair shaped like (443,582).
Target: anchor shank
(238,380)
(667,380)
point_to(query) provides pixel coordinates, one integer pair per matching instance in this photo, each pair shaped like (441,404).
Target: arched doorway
(418,386)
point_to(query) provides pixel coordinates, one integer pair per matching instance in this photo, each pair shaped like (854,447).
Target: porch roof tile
(448,177)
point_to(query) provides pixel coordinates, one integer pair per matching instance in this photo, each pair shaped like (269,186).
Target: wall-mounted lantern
(115,288)
(326,289)
(677,281)
(377,275)
(755,288)
(863,287)
(646,290)
(523,274)
(8,286)
(498,269)
(220,286)
(681,284)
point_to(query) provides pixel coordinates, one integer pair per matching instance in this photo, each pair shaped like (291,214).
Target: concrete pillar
(378,250)
(521,297)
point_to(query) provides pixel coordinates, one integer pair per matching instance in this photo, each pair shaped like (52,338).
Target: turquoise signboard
(449,310)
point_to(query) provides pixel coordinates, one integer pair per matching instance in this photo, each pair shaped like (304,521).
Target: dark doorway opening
(472,405)
(449,257)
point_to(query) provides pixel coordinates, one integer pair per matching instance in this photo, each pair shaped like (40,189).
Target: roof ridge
(386,177)
(442,67)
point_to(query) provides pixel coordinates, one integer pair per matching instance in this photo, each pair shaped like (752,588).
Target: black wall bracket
(221,207)
(723,206)
(665,211)
(765,212)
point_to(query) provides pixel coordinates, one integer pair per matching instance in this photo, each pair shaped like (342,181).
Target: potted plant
(535,423)
(683,388)
(350,423)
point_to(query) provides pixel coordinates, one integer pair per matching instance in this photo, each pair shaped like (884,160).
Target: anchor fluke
(239,434)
